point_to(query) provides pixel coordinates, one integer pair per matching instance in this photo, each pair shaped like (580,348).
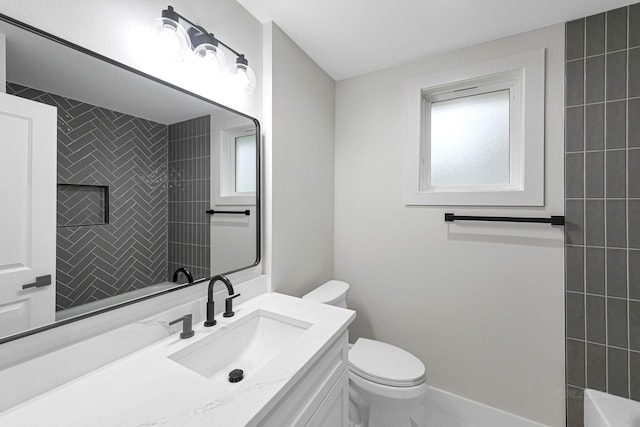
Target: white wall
(299,107)
(483,311)
(3,65)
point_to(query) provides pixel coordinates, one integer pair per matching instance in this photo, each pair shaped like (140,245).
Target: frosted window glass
(470,140)
(246,164)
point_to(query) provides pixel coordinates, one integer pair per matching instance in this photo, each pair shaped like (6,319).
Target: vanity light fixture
(177,41)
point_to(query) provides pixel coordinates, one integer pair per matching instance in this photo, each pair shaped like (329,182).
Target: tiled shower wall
(602,145)
(97,146)
(189,196)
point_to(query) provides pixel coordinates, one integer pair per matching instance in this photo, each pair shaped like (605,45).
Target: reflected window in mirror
(236,146)
(245,173)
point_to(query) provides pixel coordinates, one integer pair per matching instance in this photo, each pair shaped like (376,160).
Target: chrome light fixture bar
(176,42)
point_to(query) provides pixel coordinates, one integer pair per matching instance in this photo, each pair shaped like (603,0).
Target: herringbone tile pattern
(81,205)
(97,146)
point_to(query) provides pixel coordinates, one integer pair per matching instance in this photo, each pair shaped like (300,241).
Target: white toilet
(384,380)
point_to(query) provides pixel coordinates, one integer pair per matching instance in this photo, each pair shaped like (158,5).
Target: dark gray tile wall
(602,166)
(97,146)
(189,197)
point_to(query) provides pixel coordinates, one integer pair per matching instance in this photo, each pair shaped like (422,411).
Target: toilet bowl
(384,380)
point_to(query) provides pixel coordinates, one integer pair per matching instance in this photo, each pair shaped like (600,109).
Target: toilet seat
(385,364)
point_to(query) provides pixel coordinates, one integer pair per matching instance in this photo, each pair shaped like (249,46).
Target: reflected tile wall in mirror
(97,146)
(189,187)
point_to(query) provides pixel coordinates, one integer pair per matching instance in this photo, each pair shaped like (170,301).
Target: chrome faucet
(183,271)
(210,304)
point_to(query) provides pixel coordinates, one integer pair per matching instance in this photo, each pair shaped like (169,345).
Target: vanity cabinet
(320,397)
(302,382)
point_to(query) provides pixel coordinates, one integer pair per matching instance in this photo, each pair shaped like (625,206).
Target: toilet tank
(334,292)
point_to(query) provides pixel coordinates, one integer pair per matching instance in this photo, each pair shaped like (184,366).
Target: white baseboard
(443,409)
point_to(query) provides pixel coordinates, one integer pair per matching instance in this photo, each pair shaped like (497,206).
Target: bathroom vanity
(293,354)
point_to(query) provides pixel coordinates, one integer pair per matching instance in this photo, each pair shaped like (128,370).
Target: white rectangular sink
(248,344)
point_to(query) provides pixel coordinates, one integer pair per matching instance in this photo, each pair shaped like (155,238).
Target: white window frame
(223,163)
(523,76)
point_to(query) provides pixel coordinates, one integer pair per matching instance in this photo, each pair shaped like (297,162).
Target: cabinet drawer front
(306,395)
(334,409)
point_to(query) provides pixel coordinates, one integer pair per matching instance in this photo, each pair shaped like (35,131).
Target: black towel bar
(553,220)
(246,212)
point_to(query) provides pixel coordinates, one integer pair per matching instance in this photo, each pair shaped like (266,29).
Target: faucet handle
(187,326)
(228,306)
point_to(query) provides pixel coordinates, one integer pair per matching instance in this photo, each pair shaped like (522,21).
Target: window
(245,163)
(474,138)
(234,163)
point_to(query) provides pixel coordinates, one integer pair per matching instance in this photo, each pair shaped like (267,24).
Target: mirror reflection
(148,187)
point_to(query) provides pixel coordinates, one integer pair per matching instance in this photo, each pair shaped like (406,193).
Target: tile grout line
(604,207)
(627,320)
(584,201)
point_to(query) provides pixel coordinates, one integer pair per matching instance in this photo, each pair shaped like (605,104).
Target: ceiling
(352,37)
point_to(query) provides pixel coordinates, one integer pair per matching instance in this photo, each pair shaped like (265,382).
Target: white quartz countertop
(147,388)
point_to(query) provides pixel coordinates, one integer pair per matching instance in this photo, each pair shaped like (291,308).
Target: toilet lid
(385,364)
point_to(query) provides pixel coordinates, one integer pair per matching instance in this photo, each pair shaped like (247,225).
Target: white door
(27,214)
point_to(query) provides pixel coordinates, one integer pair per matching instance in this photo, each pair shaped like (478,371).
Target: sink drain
(236,375)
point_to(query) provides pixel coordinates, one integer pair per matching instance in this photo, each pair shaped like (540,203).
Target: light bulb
(171,39)
(210,57)
(242,76)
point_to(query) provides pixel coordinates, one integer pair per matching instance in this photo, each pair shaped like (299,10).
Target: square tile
(634,325)
(575,407)
(595,319)
(594,227)
(616,125)
(594,127)
(594,75)
(634,172)
(575,268)
(575,315)
(634,25)
(616,75)
(617,322)
(634,274)
(618,372)
(595,271)
(594,174)
(634,375)
(574,175)
(634,123)
(574,82)
(616,223)
(634,72)
(616,174)
(575,39)
(575,363)
(574,129)
(617,273)
(634,223)
(617,29)
(596,367)
(595,34)
(574,222)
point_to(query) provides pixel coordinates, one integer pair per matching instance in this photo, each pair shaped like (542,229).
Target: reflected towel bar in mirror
(553,220)
(246,212)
